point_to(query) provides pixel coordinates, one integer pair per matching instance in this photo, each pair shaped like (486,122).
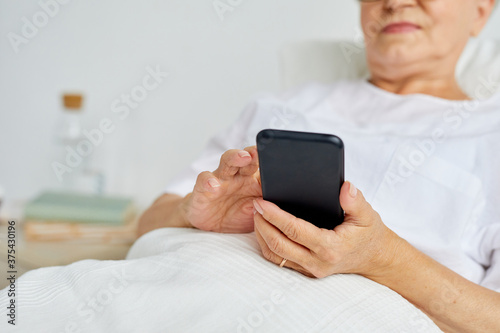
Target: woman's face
(405,32)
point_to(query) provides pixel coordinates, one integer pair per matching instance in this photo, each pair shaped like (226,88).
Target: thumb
(357,209)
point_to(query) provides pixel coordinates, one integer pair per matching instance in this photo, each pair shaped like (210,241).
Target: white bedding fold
(182,280)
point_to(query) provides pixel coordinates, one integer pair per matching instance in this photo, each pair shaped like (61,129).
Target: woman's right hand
(221,201)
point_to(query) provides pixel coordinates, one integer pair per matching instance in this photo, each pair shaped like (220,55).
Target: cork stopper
(72,102)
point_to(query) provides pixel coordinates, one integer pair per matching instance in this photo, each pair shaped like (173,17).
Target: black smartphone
(302,173)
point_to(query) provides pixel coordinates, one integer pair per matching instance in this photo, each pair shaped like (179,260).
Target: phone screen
(302,173)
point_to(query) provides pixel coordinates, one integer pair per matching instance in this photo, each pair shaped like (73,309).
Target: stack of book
(56,216)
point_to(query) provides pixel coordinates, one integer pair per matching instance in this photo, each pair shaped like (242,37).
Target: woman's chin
(394,55)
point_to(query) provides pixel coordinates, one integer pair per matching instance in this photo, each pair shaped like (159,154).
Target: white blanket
(180,280)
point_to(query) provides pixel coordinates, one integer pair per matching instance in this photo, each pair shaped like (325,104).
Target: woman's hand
(221,201)
(362,244)
(365,246)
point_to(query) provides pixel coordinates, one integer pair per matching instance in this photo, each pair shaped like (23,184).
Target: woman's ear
(483,10)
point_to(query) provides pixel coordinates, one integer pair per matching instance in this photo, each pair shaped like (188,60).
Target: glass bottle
(74,172)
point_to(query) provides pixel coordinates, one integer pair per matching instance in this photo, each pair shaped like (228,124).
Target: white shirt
(429,166)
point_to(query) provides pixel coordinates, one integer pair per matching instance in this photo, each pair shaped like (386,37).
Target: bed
(184,280)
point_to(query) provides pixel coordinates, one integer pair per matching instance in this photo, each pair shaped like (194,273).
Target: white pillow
(478,71)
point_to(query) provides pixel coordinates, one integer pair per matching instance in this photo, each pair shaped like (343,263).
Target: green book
(79,208)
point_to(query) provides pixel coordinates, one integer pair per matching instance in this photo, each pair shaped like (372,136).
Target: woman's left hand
(362,244)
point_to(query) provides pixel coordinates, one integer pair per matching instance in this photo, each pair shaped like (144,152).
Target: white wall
(103,48)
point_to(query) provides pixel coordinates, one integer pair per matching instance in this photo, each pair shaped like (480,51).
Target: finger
(280,245)
(276,259)
(296,229)
(206,182)
(257,176)
(357,209)
(231,162)
(253,166)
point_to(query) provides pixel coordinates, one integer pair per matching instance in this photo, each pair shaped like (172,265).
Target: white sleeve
(492,277)
(233,137)
(490,242)
(264,111)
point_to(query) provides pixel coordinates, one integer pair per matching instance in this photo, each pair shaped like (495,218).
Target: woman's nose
(395,5)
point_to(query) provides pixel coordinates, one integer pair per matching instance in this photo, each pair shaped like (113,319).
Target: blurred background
(156,78)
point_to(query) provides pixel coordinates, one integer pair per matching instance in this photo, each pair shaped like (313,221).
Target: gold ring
(283,262)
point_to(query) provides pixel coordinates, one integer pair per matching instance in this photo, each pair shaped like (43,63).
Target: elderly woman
(424,153)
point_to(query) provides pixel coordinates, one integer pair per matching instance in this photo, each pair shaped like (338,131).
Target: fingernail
(254,211)
(258,207)
(352,190)
(244,153)
(214,182)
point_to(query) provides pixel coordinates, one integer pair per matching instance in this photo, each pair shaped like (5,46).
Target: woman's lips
(400,28)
